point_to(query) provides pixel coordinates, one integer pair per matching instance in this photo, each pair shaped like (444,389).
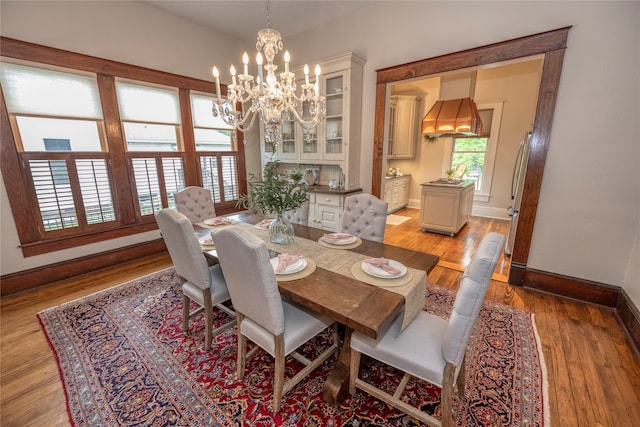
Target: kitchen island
(445,205)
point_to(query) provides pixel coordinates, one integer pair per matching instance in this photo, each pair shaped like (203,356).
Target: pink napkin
(265,223)
(336,237)
(286,260)
(217,221)
(207,240)
(383,263)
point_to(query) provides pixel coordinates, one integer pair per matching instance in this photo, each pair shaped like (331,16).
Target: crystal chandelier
(273,97)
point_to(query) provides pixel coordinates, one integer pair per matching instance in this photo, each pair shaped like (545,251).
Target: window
(91,155)
(151,122)
(57,119)
(478,153)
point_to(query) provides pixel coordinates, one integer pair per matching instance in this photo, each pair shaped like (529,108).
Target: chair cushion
(195,203)
(218,288)
(416,350)
(299,327)
(364,215)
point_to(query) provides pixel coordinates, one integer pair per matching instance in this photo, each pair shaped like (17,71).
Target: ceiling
(243,19)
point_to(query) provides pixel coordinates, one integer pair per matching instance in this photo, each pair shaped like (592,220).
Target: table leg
(336,386)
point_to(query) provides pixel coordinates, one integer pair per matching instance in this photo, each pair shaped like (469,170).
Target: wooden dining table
(356,305)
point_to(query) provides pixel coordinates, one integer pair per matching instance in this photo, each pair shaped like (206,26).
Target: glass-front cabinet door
(287,149)
(335,138)
(308,136)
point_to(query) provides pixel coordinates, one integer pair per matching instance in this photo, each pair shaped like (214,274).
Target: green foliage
(275,192)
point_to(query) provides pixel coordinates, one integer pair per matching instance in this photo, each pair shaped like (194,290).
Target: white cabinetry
(336,141)
(396,192)
(446,208)
(404,126)
(325,210)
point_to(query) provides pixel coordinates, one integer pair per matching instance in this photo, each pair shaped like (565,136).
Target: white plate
(206,241)
(374,271)
(293,268)
(340,242)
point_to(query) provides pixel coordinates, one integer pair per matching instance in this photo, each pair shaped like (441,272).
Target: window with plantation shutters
(58,120)
(92,148)
(151,122)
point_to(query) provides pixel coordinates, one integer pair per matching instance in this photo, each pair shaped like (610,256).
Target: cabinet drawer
(328,199)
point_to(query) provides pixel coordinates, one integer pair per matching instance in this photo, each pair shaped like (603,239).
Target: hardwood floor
(593,373)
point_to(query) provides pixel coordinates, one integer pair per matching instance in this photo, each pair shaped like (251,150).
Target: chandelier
(273,97)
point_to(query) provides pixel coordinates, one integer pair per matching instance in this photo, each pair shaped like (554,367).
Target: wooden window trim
(20,193)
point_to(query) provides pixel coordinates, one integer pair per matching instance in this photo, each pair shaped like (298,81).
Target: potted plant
(450,173)
(273,194)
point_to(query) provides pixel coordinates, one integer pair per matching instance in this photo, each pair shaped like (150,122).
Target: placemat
(203,225)
(355,244)
(310,268)
(359,274)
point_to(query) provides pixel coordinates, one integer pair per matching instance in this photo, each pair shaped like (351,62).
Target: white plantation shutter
(53,192)
(220,172)
(96,190)
(173,177)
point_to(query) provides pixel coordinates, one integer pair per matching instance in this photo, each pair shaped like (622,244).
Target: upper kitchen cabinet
(404,126)
(336,141)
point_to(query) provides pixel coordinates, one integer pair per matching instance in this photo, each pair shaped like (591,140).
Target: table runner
(340,261)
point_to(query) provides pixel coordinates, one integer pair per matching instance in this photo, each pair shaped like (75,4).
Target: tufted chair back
(299,215)
(195,203)
(365,216)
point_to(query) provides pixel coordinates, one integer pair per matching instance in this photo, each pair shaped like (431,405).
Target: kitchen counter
(326,189)
(445,205)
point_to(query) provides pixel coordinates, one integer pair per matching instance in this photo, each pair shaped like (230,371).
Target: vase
(281,230)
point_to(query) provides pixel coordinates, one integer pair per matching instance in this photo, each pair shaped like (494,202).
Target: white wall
(588,215)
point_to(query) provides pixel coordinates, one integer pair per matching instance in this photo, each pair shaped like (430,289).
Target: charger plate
(310,268)
(358,273)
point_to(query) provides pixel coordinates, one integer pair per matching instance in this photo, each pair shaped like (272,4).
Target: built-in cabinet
(446,208)
(404,126)
(336,141)
(325,210)
(396,192)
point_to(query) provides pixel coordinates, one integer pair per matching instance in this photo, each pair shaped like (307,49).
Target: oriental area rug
(124,360)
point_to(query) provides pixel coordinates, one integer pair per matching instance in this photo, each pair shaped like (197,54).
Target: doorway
(551,44)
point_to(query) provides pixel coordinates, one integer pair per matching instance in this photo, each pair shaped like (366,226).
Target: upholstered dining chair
(278,327)
(195,203)
(431,348)
(299,215)
(365,216)
(201,283)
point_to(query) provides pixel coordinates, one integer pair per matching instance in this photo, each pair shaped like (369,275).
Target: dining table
(338,288)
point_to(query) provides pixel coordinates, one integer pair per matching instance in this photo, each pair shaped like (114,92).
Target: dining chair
(195,203)
(431,348)
(299,215)
(277,326)
(201,283)
(365,216)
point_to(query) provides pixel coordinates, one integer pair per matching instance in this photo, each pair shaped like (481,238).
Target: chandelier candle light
(273,98)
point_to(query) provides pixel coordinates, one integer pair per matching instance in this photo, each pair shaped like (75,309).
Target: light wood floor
(594,376)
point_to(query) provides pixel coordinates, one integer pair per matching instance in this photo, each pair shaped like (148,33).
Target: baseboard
(582,290)
(35,277)
(490,212)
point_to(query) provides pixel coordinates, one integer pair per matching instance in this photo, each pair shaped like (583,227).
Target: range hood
(455,114)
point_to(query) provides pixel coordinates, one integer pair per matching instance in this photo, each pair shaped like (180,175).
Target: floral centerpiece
(275,193)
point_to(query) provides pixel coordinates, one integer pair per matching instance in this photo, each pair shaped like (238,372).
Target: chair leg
(208,319)
(242,347)
(354,368)
(446,398)
(278,376)
(186,302)
(461,378)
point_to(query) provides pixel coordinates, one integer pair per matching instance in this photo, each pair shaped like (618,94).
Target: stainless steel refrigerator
(517,184)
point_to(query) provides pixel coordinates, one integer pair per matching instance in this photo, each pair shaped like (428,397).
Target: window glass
(211,133)
(470,152)
(82,135)
(36,91)
(150,137)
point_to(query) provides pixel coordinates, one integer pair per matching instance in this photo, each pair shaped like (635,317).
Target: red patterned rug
(124,360)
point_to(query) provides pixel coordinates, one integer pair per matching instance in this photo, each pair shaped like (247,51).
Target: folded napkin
(336,237)
(285,261)
(383,263)
(207,240)
(217,221)
(265,223)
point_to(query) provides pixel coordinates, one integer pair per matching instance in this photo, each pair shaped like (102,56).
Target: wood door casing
(551,44)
